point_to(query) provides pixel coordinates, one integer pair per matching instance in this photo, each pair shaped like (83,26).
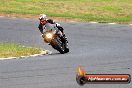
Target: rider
(46,24)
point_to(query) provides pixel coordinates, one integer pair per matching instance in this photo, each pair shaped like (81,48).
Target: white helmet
(42,17)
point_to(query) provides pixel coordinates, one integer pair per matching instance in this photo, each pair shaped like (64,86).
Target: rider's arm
(40,28)
(50,21)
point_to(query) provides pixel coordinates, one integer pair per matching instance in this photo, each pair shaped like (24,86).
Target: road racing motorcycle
(56,41)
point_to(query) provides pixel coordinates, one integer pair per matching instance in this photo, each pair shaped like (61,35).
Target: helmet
(42,17)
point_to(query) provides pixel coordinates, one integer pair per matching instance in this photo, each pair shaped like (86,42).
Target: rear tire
(66,50)
(66,47)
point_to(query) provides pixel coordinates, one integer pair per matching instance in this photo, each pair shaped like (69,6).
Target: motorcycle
(57,42)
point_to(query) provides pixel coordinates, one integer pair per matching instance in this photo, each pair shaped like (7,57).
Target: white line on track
(111,23)
(93,22)
(46,52)
(1,16)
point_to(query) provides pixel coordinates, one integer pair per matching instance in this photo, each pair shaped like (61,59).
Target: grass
(16,50)
(84,10)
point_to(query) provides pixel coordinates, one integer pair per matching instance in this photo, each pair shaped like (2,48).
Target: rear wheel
(61,50)
(66,47)
(66,50)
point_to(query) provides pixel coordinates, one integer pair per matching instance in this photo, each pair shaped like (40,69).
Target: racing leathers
(54,26)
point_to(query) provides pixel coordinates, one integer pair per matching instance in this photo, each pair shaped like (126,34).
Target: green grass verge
(85,10)
(16,50)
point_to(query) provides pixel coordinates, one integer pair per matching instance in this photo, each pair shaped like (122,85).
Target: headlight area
(49,35)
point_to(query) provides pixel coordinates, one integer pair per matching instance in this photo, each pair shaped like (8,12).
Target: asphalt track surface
(99,48)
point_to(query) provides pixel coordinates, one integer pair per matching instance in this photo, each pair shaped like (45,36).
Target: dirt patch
(61,19)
